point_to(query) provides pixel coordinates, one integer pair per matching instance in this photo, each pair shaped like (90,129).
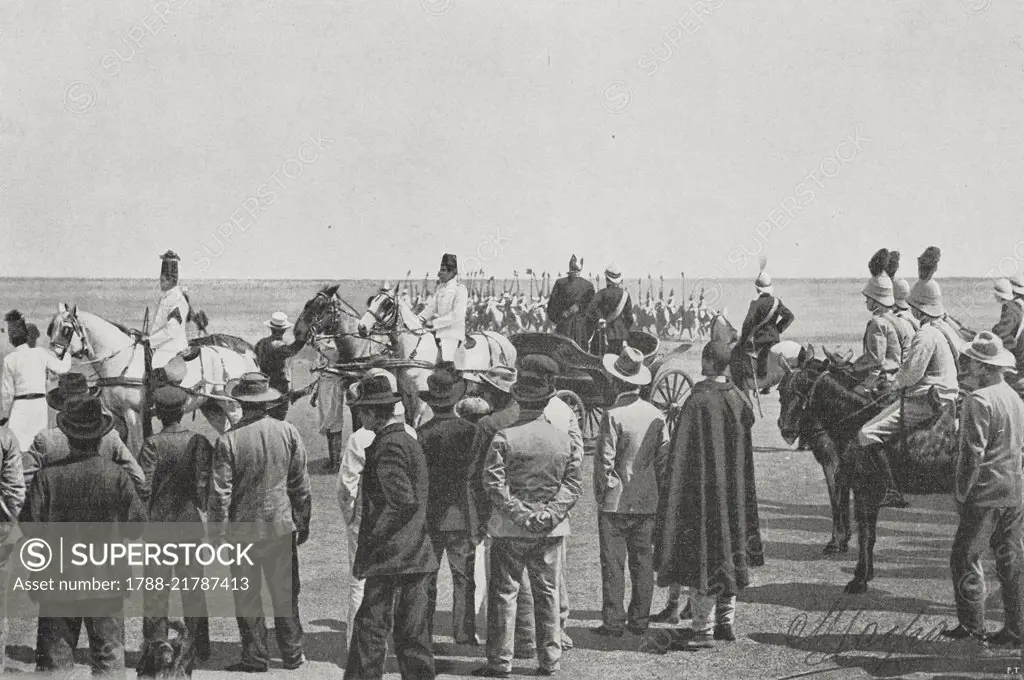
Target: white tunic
(25,373)
(446,310)
(167,336)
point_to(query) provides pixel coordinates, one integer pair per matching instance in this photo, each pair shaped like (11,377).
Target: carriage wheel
(574,402)
(668,394)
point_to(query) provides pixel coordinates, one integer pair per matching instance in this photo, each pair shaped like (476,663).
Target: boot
(892,497)
(762,363)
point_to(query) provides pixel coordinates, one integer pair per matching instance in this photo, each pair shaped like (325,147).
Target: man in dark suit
(447,442)
(176,462)
(259,478)
(395,554)
(272,355)
(89,493)
(568,303)
(612,311)
(767,319)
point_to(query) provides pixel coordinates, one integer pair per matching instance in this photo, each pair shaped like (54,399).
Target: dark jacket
(259,475)
(707,535)
(176,462)
(567,307)
(97,503)
(1010,319)
(51,446)
(12,479)
(447,442)
(487,427)
(766,334)
(602,306)
(272,356)
(393,536)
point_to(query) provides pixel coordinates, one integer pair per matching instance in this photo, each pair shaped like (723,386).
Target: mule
(111,356)
(415,350)
(820,408)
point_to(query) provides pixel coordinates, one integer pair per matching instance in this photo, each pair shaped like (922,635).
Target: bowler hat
(628,366)
(377,390)
(253,388)
(170,397)
(500,378)
(444,388)
(69,385)
(988,349)
(83,418)
(532,389)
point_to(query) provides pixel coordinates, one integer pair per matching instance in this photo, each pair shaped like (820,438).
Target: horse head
(794,398)
(316,313)
(66,333)
(327,315)
(382,313)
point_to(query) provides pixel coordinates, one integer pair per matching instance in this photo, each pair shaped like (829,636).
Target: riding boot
(892,498)
(762,362)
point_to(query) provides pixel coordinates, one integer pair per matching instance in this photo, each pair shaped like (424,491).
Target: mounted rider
(445,312)
(906,324)
(883,347)
(568,302)
(612,311)
(167,336)
(767,319)
(1010,327)
(930,365)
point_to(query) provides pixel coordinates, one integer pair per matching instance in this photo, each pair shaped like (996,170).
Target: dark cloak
(708,534)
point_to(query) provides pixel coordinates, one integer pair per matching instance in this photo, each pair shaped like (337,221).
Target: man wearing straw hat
(632,458)
(395,554)
(272,355)
(1010,326)
(611,312)
(259,478)
(988,490)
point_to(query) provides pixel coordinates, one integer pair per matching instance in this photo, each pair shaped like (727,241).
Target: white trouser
(711,610)
(355,586)
(448,347)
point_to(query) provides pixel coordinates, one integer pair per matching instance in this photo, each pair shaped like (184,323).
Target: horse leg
(843,505)
(825,453)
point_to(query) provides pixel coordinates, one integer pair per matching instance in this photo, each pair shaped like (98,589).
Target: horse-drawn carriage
(585,386)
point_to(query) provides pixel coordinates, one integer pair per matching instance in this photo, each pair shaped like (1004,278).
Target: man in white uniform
(445,312)
(167,336)
(23,388)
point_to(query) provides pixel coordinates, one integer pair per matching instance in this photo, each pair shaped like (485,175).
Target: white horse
(415,347)
(110,356)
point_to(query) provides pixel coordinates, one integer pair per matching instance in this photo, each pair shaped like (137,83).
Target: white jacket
(446,310)
(168,336)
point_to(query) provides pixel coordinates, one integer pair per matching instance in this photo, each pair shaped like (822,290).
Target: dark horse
(820,407)
(784,356)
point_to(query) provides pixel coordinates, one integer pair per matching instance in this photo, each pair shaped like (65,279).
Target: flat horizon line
(705,279)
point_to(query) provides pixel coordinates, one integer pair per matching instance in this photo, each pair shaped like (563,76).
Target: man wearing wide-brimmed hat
(445,312)
(259,477)
(767,319)
(883,350)
(533,480)
(447,442)
(631,459)
(1010,327)
(272,355)
(568,302)
(395,554)
(51,445)
(611,313)
(176,462)
(930,364)
(350,478)
(23,386)
(167,335)
(988,491)
(90,495)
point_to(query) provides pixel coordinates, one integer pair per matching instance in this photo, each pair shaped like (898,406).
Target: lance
(147,379)
(682,288)
(661,291)
(408,277)
(533,277)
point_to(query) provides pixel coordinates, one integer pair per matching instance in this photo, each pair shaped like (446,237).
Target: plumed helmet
(926,295)
(169,266)
(17,330)
(763,282)
(879,286)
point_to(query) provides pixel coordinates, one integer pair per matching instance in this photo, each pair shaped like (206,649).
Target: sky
(361,140)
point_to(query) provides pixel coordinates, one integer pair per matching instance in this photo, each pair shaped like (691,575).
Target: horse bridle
(68,329)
